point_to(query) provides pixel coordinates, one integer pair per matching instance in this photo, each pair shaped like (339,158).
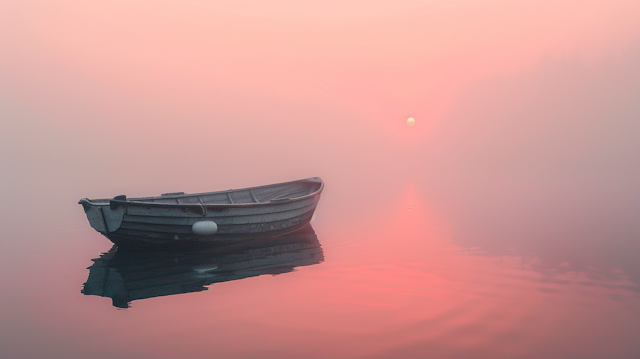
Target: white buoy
(411,121)
(204,227)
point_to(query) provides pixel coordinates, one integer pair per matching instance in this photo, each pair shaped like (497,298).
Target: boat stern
(102,217)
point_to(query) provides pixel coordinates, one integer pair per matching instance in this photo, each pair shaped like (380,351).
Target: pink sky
(282,75)
(382,59)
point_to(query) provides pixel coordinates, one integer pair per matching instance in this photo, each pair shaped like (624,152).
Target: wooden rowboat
(205,218)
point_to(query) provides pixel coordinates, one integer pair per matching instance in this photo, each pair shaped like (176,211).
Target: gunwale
(140,201)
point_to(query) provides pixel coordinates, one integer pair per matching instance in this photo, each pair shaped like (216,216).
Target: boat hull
(133,223)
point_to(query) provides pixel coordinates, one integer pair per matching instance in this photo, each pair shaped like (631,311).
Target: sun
(411,121)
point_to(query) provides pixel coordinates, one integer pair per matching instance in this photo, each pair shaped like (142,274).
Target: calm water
(504,224)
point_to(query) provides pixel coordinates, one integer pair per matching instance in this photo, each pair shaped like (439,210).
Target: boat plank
(212,210)
(248,217)
(179,226)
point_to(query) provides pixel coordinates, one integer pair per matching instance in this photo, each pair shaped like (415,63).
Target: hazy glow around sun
(411,121)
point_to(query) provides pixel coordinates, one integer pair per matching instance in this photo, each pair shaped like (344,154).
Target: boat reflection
(126,275)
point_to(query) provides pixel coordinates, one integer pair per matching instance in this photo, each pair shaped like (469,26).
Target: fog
(503,224)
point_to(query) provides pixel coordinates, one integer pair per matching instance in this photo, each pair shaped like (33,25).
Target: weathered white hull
(170,219)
